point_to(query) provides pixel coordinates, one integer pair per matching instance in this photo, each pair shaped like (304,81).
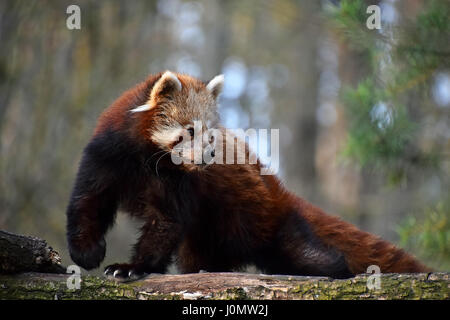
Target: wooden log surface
(20,253)
(30,269)
(226,286)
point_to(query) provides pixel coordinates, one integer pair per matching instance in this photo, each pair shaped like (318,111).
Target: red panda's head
(179,113)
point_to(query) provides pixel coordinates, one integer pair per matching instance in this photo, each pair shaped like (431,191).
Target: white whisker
(147,161)
(156,166)
(156,154)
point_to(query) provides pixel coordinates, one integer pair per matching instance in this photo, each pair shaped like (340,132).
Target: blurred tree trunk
(352,186)
(353,68)
(300,157)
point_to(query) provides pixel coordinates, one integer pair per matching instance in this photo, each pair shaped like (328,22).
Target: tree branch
(226,286)
(23,254)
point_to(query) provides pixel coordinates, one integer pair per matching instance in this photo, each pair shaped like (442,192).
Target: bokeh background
(363,114)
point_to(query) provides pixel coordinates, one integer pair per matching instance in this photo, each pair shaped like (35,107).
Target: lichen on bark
(226,286)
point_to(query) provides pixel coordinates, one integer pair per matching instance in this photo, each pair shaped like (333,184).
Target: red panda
(213,217)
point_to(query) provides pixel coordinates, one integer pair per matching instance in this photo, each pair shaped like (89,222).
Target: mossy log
(30,269)
(226,286)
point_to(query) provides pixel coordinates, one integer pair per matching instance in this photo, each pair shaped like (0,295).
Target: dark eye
(191,131)
(211,139)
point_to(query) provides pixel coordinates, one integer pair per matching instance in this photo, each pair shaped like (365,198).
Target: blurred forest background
(364,115)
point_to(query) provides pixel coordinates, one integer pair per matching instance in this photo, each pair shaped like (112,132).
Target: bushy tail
(361,249)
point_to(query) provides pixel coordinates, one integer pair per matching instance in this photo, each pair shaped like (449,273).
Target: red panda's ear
(215,85)
(164,87)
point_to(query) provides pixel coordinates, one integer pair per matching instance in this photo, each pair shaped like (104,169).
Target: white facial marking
(165,136)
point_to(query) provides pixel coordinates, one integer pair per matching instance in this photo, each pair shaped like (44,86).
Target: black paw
(88,257)
(125,272)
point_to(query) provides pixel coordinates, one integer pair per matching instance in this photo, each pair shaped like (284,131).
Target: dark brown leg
(188,260)
(152,253)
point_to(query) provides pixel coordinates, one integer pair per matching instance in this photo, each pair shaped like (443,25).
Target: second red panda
(214,217)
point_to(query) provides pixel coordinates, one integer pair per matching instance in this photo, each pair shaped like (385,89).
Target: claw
(123,272)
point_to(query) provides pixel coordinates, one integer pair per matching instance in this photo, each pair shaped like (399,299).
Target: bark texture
(225,286)
(29,270)
(22,254)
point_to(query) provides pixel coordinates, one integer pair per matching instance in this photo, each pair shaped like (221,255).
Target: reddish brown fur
(360,248)
(270,201)
(216,218)
(115,116)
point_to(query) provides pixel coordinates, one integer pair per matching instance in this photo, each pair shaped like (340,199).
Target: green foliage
(384,125)
(423,44)
(376,138)
(429,236)
(430,26)
(350,20)
(390,113)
